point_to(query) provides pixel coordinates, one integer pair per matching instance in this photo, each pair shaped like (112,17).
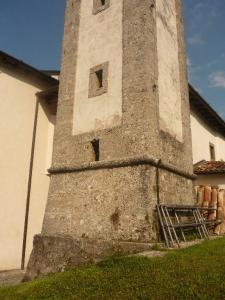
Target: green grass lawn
(193,273)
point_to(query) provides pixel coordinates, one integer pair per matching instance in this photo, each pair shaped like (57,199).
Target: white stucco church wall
(202,137)
(17,112)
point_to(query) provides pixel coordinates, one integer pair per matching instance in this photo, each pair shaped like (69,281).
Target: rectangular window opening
(99,78)
(103,2)
(95,146)
(212,152)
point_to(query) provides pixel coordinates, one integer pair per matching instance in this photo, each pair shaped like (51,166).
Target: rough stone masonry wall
(140,131)
(96,213)
(111,203)
(107,204)
(113,200)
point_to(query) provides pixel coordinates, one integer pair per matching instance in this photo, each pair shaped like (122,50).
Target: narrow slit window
(212,152)
(99,78)
(95,146)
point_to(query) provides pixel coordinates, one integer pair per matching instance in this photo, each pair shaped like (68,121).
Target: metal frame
(170,222)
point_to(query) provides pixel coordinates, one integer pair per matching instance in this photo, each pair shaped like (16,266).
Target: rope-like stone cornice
(119,163)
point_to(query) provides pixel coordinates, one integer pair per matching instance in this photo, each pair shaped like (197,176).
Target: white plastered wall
(202,136)
(17,110)
(168,68)
(100,41)
(40,177)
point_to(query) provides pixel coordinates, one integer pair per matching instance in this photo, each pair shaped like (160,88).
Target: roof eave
(7,59)
(206,111)
(210,173)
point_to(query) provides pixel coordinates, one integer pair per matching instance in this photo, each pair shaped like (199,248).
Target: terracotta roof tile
(209,167)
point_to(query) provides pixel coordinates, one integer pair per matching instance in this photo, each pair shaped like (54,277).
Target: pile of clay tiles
(213,197)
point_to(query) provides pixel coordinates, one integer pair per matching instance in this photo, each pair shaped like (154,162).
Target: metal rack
(176,220)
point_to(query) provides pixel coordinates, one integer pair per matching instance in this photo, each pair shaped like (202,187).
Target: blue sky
(32,30)
(205,40)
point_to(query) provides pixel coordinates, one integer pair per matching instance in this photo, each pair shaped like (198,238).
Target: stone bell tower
(122,140)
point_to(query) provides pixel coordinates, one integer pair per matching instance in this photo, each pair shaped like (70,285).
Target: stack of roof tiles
(213,197)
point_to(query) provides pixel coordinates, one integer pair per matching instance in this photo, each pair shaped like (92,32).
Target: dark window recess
(99,78)
(95,146)
(100,5)
(212,152)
